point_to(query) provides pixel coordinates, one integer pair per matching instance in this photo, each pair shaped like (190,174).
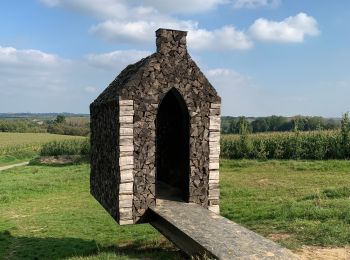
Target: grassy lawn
(19,147)
(294,202)
(47,212)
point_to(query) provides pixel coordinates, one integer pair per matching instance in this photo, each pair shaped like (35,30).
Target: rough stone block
(126,131)
(214,137)
(214,166)
(213,160)
(126,167)
(214,175)
(214,127)
(123,113)
(214,111)
(215,105)
(126,119)
(126,176)
(124,154)
(126,108)
(213,181)
(126,160)
(126,148)
(126,222)
(126,102)
(126,188)
(125,202)
(214,194)
(125,213)
(215,209)
(213,186)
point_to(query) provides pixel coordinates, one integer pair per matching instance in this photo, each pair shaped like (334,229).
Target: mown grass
(303,202)
(17,147)
(46,212)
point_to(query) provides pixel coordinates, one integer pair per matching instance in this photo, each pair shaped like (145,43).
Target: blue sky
(282,57)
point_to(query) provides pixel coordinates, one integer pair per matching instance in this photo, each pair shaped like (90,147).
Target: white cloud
(33,80)
(255,3)
(135,24)
(230,38)
(138,32)
(185,6)
(225,38)
(11,56)
(115,59)
(122,8)
(104,9)
(291,29)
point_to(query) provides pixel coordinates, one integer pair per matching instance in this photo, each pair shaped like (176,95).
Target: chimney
(170,41)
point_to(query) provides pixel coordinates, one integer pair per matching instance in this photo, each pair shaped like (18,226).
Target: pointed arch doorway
(172,148)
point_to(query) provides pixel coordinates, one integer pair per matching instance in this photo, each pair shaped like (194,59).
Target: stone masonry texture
(123,128)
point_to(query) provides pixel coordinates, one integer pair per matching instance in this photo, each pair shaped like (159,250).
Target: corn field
(66,147)
(27,143)
(315,145)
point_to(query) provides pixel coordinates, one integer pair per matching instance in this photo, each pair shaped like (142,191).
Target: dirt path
(2,168)
(322,253)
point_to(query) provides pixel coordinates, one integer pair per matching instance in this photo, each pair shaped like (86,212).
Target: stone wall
(104,178)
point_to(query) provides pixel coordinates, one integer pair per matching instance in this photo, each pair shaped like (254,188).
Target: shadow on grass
(12,247)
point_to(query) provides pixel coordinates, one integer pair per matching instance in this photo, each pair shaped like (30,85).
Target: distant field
(48,213)
(16,147)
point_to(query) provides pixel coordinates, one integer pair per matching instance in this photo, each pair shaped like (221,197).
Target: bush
(21,126)
(66,147)
(63,129)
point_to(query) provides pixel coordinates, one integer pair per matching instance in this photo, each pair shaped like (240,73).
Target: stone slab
(196,230)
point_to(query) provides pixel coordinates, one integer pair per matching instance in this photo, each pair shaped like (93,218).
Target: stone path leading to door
(198,231)
(2,168)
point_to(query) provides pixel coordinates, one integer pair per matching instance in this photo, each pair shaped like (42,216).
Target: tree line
(231,125)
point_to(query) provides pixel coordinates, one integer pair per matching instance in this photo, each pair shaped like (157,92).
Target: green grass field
(301,202)
(46,212)
(17,147)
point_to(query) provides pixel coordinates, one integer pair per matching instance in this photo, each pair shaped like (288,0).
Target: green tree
(60,119)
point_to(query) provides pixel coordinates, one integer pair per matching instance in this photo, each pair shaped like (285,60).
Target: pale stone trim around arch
(214,153)
(126,161)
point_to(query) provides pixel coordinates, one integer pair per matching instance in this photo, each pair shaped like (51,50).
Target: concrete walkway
(2,168)
(198,231)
